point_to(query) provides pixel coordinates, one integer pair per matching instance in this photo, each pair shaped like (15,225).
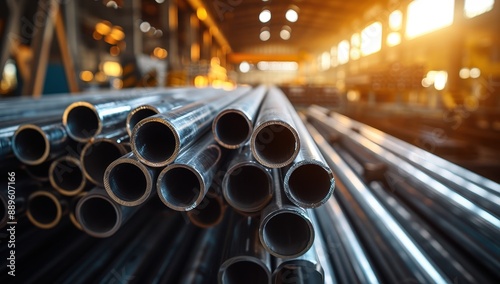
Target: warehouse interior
(250,141)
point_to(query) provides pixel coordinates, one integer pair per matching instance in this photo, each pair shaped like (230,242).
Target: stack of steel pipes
(239,165)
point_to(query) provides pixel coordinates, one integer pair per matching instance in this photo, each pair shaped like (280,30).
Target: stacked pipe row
(401,214)
(110,156)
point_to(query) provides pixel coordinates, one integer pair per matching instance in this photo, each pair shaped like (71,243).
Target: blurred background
(425,71)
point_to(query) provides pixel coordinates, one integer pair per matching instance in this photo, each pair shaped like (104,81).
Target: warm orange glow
(86,76)
(109,39)
(117,83)
(111,68)
(356,40)
(202,14)
(425,16)
(160,52)
(343,52)
(393,39)
(195,52)
(200,81)
(114,50)
(117,33)
(96,35)
(473,8)
(396,20)
(100,77)
(103,27)
(371,38)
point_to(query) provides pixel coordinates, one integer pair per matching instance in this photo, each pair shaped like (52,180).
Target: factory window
(371,38)
(473,8)
(343,52)
(355,45)
(425,16)
(396,20)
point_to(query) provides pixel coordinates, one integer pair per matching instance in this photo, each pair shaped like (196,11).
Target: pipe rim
(256,152)
(139,166)
(69,129)
(72,211)
(196,201)
(206,225)
(215,130)
(18,152)
(134,112)
(57,204)
(99,234)
(88,146)
(56,186)
(238,259)
(173,132)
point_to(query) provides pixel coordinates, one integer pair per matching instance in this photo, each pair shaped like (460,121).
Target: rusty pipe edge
(66,176)
(45,209)
(129,182)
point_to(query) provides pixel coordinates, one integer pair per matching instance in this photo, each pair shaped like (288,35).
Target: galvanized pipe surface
(233,126)
(309,181)
(275,142)
(285,229)
(247,185)
(245,259)
(159,139)
(183,184)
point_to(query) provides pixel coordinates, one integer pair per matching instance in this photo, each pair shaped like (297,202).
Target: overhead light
(265,34)
(475,73)
(285,33)
(278,66)
(291,15)
(145,27)
(265,16)
(244,67)
(202,14)
(464,73)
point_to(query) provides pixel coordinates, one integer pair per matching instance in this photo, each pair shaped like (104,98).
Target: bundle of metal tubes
(240,165)
(104,176)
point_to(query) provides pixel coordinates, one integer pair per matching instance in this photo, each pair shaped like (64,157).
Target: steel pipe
(322,251)
(285,229)
(66,176)
(408,251)
(210,212)
(159,139)
(233,126)
(99,153)
(309,181)
(128,181)
(99,215)
(275,142)
(247,185)
(45,209)
(245,259)
(182,185)
(72,209)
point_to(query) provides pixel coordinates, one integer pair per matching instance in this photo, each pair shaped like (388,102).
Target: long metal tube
(464,209)
(233,126)
(45,209)
(128,181)
(159,139)
(183,184)
(247,185)
(39,172)
(275,142)
(210,212)
(99,153)
(72,209)
(167,104)
(66,176)
(435,165)
(285,229)
(99,215)
(84,120)
(309,181)
(245,259)
(414,258)
(322,251)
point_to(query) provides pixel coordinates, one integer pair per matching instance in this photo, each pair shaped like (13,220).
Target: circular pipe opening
(139,114)
(208,213)
(245,272)
(30,145)
(98,216)
(66,176)
(97,156)
(82,122)
(275,145)
(44,210)
(179,188)
(309,185)
(248,188)
(232,129)
(287,234)
(127,182)
(39,172)
(155,142)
